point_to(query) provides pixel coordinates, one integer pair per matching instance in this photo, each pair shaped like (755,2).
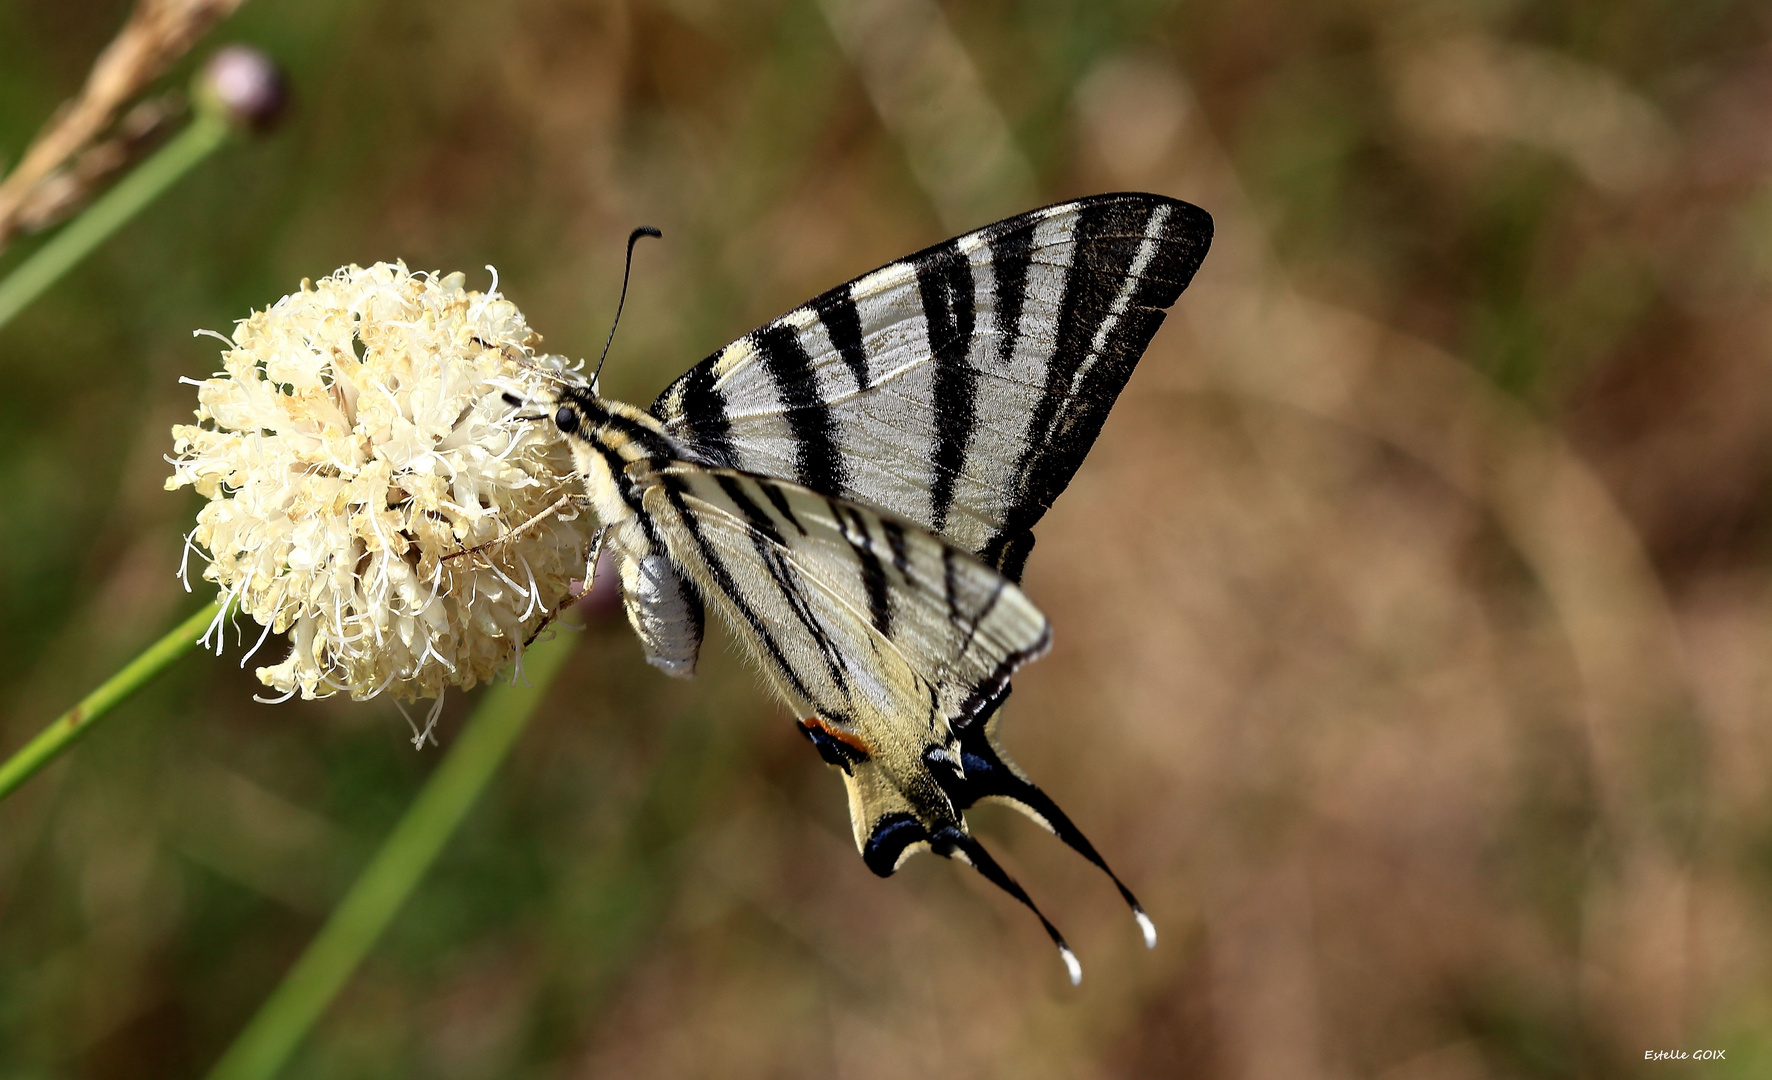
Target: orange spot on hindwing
(836,746)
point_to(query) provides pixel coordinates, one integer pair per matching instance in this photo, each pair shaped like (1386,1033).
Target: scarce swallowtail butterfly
(852,487)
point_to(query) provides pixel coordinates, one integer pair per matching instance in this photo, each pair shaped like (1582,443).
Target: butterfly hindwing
(883,630)
(962,386)
(893,645)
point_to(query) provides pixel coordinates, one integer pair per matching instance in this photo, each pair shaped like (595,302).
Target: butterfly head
(567,412)
(567,419)
(577,412)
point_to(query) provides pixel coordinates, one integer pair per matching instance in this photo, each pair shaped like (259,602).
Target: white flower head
(356,442)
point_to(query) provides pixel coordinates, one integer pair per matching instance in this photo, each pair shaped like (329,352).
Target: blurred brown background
(1412,612)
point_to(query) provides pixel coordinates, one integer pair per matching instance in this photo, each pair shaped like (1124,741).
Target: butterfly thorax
(617,449)
(607,438)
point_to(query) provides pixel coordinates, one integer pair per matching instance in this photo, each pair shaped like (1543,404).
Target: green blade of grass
(206,131)
(77,721)
(378,893)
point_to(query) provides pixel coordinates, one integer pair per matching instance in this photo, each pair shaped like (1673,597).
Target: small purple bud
(244,85)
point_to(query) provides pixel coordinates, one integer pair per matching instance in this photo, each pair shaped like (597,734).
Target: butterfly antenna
(633,238)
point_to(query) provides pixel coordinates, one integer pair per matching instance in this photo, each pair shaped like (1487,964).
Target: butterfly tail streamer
(952,843)
(986,772)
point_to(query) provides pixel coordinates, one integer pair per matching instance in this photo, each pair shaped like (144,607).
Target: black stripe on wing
(836,310)
(817,456)
(771,547)
(944,282)
(722,577)
(709,429)
(854,527)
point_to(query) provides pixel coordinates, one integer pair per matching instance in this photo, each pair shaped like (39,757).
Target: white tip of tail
(1149,928)
(1071,965)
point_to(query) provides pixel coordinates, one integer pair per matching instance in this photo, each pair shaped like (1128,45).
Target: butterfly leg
(985,772)
(558,508)
(572,598)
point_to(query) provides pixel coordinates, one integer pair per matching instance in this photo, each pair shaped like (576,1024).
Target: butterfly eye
(566,419)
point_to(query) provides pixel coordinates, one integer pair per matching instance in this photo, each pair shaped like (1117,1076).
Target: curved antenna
(633,238)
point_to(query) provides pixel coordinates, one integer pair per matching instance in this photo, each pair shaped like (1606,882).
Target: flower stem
(207,130)
(69,726)
(321,972)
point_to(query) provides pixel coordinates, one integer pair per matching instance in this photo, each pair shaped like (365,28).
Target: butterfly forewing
(962,386)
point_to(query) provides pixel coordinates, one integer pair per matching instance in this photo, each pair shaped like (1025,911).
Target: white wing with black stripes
(961,386)
(852,487)
(867,620)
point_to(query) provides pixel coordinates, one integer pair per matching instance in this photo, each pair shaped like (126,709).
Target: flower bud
(244,85)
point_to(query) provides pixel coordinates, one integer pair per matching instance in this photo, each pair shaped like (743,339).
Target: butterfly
(853,488)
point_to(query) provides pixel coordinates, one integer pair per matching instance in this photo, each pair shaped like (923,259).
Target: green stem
(206,131)
(69,726)
(309,987)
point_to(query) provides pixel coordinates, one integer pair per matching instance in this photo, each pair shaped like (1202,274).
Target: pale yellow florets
(357,437)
